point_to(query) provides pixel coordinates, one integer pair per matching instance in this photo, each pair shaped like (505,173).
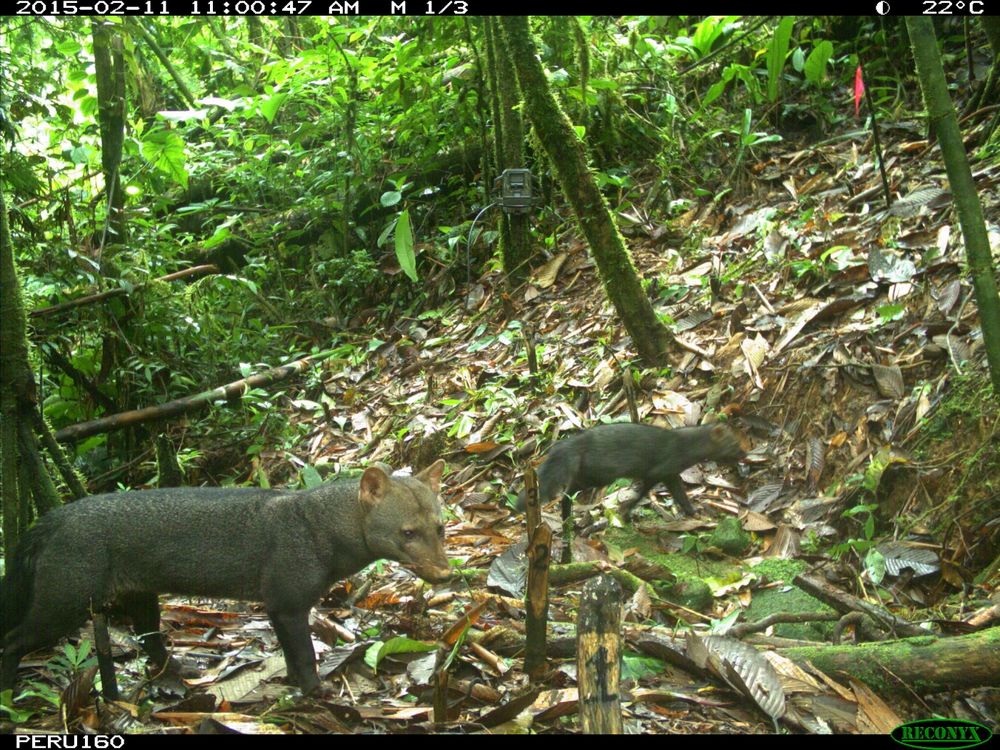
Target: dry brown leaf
(470,617)
(546,275)
(757,522)
(889,381)
(874,715)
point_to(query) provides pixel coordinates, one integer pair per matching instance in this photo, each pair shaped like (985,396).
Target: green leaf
(164,149)
(404,246)
(380,649)
(891,312)
(80,154)
(714,92)
(310,477)
(68,48)
(637,667)
(708,31)
(559,77)
(875,565)
(269,105)
(798,59)
(15,715)
(390,198)
(602,83)
(776,54)
(88,106)
(815,67)
(722,626)
(220,235)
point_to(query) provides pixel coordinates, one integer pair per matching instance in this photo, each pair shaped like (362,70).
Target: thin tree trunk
(963,189)
(514,240)
(151,42)
(231,391)
(22,472)
(566,153)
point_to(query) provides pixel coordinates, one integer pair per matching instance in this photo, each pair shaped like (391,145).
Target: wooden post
(528,330)
(440,681)
(536,597)
(598,656)
(102,645)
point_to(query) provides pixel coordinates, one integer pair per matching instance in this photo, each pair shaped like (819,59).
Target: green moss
(787,599)
(780,570)
(692,593)
(963,427)
(696,578)
(970,398)
(730,537)
(681,564)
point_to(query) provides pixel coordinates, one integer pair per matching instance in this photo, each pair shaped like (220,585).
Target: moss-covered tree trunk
(991,25)
(109,69)
(514,239)
(22,475)
(490,31)
(621,282)
(921,665)
(482,100)
(970,213)
(583,69)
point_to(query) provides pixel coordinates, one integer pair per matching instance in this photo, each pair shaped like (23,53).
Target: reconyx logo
(941,733)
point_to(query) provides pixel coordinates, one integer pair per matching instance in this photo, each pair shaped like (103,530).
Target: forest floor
(841,337)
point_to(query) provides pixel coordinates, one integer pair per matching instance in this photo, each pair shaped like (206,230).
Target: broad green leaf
(89,106)
(390,198)
(875,565)
(68,48)
(637,667)
(815,68)
(218,237)
(80,154)
(798,59)
(164,149)
(559,77)
(404,246)
(310,477)
(714,92)
(602,83)
(891,312)
(383,236)
(776,54)
(708,31)
(269,105)
(381,649)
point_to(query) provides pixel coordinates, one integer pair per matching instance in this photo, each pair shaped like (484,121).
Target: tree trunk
(926,664)
(229,392)
(22,473)
(963,189)
(514,237)
(109,70)
(565,151)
